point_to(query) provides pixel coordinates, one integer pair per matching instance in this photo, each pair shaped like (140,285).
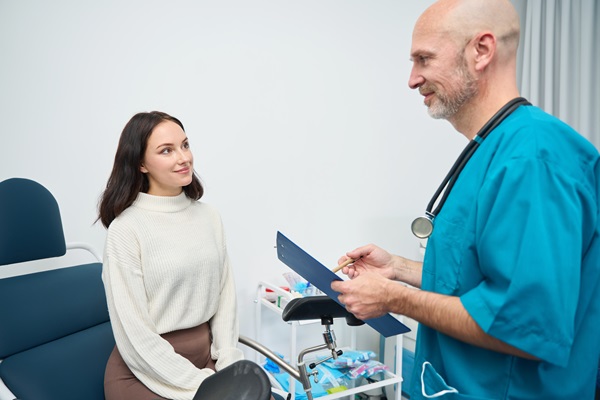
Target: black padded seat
(317,307)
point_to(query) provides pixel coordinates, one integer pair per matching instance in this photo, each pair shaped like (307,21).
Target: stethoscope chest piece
(422,227)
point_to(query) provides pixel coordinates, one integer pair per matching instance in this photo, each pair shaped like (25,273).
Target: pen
(344,264)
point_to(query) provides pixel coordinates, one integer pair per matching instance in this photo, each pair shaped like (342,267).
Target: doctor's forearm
(447,315)
(408,271)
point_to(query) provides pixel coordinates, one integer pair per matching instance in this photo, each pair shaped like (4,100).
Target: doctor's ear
(484,48)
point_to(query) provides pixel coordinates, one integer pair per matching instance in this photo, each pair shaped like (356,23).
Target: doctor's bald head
(464,55)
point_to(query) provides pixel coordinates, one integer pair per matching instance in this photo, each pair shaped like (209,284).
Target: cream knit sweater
(166,268)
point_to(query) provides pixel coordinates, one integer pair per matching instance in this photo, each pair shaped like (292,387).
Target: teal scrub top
(518,241)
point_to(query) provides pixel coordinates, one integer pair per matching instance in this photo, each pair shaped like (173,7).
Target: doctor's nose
(415,79)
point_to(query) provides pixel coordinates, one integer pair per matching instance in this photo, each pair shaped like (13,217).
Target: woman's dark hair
(126,179)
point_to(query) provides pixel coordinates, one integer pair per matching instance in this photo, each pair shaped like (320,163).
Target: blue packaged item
(350,359)
(270,366)
(330,381)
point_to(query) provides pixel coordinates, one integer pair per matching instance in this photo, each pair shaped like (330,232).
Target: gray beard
(448,105)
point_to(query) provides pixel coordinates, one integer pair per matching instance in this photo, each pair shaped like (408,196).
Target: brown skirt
(121,384)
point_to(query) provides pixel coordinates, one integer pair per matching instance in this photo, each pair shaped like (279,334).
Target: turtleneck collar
(162,203)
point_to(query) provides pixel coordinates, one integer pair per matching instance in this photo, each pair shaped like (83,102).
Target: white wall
(298,112)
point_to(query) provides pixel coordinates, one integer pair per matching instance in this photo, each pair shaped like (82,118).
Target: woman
(170,292)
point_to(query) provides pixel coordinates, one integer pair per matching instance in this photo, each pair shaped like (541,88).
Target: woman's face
(168,160)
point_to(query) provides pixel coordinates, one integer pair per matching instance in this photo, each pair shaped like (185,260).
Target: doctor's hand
(369,258)
(365,296)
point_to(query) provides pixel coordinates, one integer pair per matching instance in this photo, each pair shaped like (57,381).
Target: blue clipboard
(321,277)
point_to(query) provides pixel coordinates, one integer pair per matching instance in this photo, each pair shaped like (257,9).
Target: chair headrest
(30,222)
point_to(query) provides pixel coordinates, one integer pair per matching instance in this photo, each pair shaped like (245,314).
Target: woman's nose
(185,156)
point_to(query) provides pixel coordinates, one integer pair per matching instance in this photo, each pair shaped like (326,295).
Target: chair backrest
(30,223)
(55,334)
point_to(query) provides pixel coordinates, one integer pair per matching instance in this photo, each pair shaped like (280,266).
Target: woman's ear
(143,169)
(484,45)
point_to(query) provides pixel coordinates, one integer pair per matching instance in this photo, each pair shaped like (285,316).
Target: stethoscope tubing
(460,163)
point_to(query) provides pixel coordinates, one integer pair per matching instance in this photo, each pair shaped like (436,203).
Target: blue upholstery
(30,223)
(71,367)
(55,334)
(45,306)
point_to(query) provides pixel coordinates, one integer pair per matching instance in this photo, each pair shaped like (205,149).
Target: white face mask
(434,382)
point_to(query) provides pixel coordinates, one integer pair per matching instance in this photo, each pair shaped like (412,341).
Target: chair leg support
(299,374)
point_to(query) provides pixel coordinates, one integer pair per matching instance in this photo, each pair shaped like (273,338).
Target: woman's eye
(166,150)
(186,145)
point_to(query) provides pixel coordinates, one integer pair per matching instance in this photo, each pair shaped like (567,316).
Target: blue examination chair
(55,332)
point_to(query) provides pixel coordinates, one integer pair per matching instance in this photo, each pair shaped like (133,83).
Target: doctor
(508,295)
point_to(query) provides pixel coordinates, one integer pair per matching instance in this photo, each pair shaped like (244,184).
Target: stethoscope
(422,227)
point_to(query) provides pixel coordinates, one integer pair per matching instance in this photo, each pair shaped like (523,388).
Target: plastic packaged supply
(350,359)
(331,380)
(272,296)
(367,369)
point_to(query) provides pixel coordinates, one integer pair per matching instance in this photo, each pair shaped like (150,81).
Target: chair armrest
(241,380)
